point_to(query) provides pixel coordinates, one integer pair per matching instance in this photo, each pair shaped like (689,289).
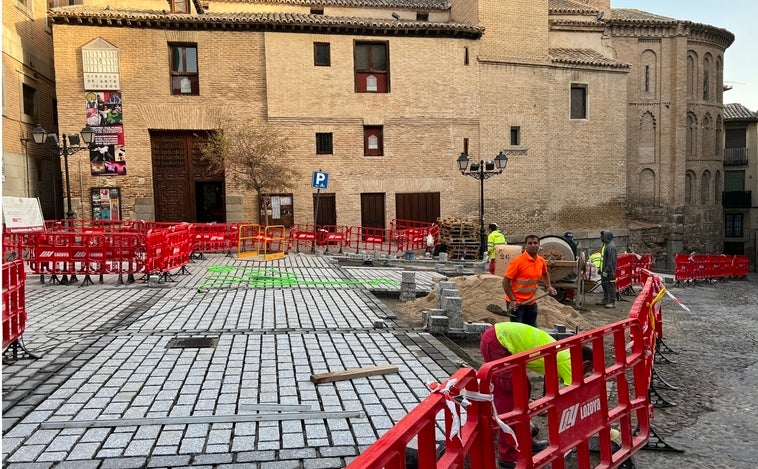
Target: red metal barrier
(14,301)
(624,272)
(740,266)
(641,262)
(209,237)
(302,237)
(613,397)
(708,267)
(422,424)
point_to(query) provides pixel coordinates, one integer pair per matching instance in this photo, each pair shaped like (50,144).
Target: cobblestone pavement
(716,372)
(103,355)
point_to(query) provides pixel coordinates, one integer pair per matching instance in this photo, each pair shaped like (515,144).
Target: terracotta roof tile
(738,112)
(88,15)
(584,57)
(632,14)
(404,4)
(570,6)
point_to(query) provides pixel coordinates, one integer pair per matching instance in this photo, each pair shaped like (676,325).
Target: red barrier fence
(612,398)
(14,301)
(707,267)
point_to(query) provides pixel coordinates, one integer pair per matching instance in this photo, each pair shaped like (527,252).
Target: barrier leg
(657,400)
(660,346)
(87,281)
(130,278)
(658,379)
(656,443)
(13,349)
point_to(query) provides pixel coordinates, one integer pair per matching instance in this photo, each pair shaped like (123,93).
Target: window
(324,143)
(317,11)
(578,101)
(733,225)
(515,136)
(371,67)
(321,54)
(465,56)
(422,16)
(373,144)
(29,97)
(184,76)
(180,6)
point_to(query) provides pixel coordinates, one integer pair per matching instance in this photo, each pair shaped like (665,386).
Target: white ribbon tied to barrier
(465,399)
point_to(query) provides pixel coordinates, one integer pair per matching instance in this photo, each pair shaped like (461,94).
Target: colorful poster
(104,115)
(106,203)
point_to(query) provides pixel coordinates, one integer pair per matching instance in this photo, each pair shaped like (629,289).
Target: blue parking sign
(320,180)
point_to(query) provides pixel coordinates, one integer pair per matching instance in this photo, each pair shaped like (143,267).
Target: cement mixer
(566,267)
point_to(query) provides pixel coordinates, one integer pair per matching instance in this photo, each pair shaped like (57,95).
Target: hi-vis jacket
(525,273)
(517,337)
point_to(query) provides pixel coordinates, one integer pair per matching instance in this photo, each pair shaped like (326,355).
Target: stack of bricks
(407,286)
(461,236)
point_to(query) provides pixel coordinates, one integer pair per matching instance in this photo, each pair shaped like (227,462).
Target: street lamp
(481,171)
(70,146)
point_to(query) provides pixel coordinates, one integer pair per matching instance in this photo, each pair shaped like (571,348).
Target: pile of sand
(478,291)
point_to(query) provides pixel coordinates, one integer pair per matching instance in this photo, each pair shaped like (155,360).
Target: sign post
(320,181)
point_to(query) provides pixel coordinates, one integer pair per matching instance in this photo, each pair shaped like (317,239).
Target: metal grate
(193,342)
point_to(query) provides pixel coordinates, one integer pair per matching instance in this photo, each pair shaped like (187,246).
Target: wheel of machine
(557,248)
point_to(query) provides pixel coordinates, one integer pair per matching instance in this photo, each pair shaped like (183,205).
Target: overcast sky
(740,17)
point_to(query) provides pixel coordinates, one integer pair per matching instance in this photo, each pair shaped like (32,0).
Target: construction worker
(608,269)
(509,338)
(521,282)
(494,238)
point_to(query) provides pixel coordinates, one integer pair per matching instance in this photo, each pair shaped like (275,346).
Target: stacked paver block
(407,286)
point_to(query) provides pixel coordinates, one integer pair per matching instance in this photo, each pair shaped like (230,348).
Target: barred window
(324,145)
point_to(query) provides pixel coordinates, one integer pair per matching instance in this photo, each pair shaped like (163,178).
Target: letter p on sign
(320,180)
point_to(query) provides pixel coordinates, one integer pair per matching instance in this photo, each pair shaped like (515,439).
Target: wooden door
(420,206)
(182,180)
(372,210)
(172,191)
(327,209)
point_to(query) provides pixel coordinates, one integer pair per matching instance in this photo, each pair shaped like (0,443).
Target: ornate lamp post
(481,171)
(71,145)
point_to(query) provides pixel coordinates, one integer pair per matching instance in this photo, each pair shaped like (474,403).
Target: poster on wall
(106,203)
(104,115)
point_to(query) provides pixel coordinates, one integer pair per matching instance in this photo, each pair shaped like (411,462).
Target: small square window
(515,136)
(184,75)
(321,54)
(29,101)
(578,101)
(373,140)
(422,16)
(324,145)
(317,11)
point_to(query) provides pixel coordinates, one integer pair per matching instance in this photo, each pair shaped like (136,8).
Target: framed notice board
(106,203)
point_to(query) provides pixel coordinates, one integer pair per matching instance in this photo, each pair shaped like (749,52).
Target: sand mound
(478,291)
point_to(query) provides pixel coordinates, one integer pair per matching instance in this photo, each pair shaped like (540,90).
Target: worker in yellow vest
(494,238)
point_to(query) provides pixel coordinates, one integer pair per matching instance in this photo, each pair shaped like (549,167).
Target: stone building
(741,182)
(611,118)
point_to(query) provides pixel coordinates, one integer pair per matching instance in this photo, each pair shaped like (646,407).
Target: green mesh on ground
(224,276)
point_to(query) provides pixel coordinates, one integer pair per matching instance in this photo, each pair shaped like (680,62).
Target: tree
(254,157)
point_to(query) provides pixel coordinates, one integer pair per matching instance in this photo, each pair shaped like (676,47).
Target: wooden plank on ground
(353,373)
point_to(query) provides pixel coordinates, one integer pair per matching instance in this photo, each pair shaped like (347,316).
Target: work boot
(610,305)
(539,445)
(505,464)
(600,303)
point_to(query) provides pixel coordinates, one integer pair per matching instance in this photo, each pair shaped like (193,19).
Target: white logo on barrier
(568,418)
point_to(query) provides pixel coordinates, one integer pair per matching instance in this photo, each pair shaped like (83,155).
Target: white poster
(22,215)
